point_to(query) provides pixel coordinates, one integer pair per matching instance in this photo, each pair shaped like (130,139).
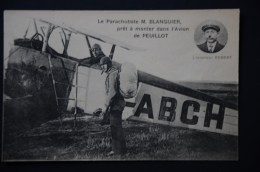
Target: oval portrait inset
(211,36)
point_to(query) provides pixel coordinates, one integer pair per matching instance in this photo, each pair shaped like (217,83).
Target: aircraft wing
(106,39)
(94,35)
(164,84)
(169,103)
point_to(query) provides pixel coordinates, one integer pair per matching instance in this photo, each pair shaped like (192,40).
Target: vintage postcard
(120,85)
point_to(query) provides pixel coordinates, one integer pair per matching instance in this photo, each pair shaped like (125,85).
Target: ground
(90,141)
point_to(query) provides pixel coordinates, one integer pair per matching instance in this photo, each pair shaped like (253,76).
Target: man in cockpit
(97,53)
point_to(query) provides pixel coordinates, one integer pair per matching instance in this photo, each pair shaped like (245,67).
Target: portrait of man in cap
(211,34)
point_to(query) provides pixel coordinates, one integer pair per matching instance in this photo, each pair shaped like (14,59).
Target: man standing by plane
(211,33)
(116,103)
(97,53)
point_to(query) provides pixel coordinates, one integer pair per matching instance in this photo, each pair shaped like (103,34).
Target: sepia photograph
(211,36)
(120,85)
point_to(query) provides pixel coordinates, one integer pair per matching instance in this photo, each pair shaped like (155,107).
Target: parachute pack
(128,80)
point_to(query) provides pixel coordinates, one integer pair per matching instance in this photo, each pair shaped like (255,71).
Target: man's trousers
(118,139)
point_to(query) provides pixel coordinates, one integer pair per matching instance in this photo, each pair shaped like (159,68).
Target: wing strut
(35,26)
(46,38)
(89,47)
(26,30)
(112,51)
(66,45)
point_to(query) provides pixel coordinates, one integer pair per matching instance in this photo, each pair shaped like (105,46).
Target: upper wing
(94,35)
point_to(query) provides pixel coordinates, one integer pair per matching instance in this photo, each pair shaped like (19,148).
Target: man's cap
(210,26)
(105,60)
(96,46)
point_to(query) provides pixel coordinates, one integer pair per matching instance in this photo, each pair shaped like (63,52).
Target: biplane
(43,84)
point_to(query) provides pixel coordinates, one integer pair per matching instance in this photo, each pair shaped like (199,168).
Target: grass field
(90,141)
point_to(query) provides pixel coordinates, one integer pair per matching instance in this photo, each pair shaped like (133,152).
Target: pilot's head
(105,63)
(211,32)
(96,49)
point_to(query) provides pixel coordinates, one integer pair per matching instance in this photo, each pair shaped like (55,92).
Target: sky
(175,57)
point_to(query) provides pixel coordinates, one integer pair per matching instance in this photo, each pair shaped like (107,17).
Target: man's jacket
(113,97)
(92,60)
(204,47)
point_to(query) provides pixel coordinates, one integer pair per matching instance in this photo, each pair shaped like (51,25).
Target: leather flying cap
(210,26)
(105,60)
(96,46)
